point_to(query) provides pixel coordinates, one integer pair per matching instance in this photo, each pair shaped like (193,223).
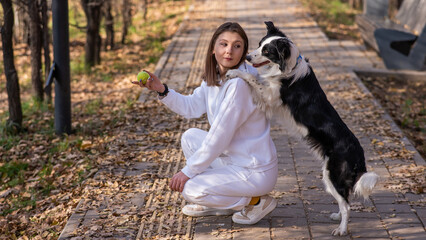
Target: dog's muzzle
(256,65)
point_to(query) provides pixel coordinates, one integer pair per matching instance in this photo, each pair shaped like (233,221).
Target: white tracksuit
(236,159)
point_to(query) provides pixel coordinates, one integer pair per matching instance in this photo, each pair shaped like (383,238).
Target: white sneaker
(252,214)
(195,210)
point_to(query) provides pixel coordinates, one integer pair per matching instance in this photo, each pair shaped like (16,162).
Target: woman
(234,165)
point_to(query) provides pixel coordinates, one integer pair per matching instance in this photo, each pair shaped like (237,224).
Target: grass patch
(92,106)
(19,203)
(12,174)
(1,73)
(7,141)
(76,18)
(335,18)
(36,116)
(78,66)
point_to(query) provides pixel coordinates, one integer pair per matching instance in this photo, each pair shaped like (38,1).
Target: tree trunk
(35,46)
(356,4)
(46,45)
(145,9)
(12,83)
(21,33)
(127,19)
(92,9)
(109,25)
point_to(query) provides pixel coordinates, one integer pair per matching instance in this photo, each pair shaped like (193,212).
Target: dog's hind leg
(344,208)
(342,215)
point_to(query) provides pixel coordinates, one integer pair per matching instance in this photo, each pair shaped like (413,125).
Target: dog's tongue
(260,64)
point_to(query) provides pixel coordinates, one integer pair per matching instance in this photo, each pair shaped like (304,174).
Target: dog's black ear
(284,51)
(271,27)
(272,30)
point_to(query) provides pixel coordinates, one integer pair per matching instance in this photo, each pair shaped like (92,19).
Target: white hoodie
(238,129)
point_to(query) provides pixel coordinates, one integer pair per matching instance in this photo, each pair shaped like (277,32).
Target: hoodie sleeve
(188,106)
(233,112)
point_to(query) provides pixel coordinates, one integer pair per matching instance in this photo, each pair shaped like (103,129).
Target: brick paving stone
(90,216)
(323,231)
(290,201)
(209,231)
(320,198)
(288,212)
(415,197)
(307,160)
(395,218)
(421,213)
(371,238)
(321,217)
(221,220)
(367,228)
(407,231)
(393,208)
(259,231)
(288,179)
(325,208)
(286,168)
(386,198)
(73,222)
(284,228)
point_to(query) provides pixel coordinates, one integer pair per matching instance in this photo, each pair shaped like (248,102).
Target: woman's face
(228,50)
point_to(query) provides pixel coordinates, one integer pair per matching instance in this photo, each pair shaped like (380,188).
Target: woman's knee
(192,193)
(187,136)
(191,140)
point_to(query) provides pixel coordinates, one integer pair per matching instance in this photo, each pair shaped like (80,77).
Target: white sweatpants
(223,186)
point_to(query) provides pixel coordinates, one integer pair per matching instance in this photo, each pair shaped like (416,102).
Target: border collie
(288,89)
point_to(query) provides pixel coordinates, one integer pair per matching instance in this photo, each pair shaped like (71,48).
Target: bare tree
(33,8)
(12,84)
(144,8)
(109,25)
(357,4)
(93,11)
(127,19)
(46,43)
(21,33)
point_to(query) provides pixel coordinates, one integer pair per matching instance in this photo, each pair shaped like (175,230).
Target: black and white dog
(288,89)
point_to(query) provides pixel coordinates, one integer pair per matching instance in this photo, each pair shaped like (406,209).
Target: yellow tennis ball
(143,77)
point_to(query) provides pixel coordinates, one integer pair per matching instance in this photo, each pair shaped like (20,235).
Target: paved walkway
(151,211)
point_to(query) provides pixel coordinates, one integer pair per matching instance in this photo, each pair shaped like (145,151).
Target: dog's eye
(265,51)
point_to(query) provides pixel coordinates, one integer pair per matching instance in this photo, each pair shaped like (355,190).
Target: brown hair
(210,71)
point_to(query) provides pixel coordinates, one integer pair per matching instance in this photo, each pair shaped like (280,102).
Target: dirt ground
(44,176)
(404,100)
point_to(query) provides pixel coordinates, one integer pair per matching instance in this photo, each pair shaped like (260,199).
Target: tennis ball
(143,77)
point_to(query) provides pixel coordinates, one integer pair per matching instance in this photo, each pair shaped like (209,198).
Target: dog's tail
(365,184)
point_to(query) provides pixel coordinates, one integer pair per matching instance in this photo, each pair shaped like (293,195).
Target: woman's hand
(153,83)
(178,181)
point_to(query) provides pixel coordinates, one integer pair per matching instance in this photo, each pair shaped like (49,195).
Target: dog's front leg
(249,78)
(258,89)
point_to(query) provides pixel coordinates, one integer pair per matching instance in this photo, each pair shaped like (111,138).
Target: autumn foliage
(42,175)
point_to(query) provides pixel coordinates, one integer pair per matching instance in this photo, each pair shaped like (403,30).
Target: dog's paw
(336,216)
(339,231)
(232,73)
